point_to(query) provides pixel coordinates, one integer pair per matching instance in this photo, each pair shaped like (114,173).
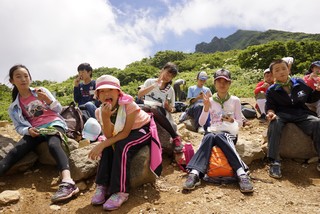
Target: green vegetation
(244,38)
(245,65)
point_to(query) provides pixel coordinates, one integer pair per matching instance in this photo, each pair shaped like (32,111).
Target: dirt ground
(297,192)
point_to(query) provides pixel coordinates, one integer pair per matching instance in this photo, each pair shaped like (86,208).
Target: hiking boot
(178,146)
(245,183)
(65,191)
(115,201)
(192,181)
(275,170)
(99,196)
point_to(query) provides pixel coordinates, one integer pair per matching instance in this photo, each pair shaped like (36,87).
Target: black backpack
(73,117)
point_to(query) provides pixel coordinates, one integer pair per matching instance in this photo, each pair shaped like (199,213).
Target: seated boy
(84,88)
(286,104)
(195,98)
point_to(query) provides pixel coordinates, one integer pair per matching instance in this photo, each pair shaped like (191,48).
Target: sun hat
(222,73)
(107,81)
(267,71)
(91,129)
(202,75)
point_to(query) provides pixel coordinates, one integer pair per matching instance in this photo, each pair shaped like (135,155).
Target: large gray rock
(296,144)
(6,144)
(81,167)
(165,140)
(250,150)
(44,155)
(140,172)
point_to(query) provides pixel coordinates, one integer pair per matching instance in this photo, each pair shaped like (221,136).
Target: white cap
(288,59)
(91,129)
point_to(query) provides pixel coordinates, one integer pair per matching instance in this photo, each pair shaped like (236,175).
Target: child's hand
(227,118)
(106,110)
(96,151)
(33,132)
(200,96)
(317,86)
(271,116)
(206,102)
(43,96)
(265,85)
(77,81)
(167,106)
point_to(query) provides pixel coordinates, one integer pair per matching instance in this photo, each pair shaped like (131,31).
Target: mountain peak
(241,39)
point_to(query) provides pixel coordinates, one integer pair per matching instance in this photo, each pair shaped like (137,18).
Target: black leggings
(28,143)
(159,114)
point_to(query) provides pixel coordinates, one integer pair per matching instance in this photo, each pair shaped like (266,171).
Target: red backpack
(188,154)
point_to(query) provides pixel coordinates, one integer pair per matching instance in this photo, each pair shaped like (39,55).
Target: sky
(52,37)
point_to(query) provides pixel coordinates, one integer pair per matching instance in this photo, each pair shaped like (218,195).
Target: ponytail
(14,93)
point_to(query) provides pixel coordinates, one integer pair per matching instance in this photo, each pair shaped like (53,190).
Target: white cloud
(53,37)
(288,15)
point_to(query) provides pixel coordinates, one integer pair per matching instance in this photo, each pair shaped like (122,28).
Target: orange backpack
(218,164)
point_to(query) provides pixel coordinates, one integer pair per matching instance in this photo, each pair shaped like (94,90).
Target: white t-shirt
(232,106)
(157,95)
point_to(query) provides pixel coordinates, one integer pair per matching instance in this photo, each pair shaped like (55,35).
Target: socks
(194,171)
(241,171)
(70,181)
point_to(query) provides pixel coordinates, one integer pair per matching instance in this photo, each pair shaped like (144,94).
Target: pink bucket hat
(107,81)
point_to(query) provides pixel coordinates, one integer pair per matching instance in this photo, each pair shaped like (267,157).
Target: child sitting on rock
(286,103)
(127,129)
(225,113)
(32,110)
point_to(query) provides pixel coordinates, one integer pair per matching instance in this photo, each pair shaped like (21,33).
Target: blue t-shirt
(194,91)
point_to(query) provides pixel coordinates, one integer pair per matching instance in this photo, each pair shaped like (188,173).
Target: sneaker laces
(244,178)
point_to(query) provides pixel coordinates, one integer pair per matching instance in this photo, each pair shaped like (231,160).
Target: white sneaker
(201,130)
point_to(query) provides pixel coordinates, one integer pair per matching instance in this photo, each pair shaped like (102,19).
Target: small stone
(55,207)
(145,197)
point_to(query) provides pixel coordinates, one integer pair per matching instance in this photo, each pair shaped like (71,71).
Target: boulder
(140,172)
(250,150)
(6,144)
(81,167)
(165,140)
(295,143)
(44,155)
